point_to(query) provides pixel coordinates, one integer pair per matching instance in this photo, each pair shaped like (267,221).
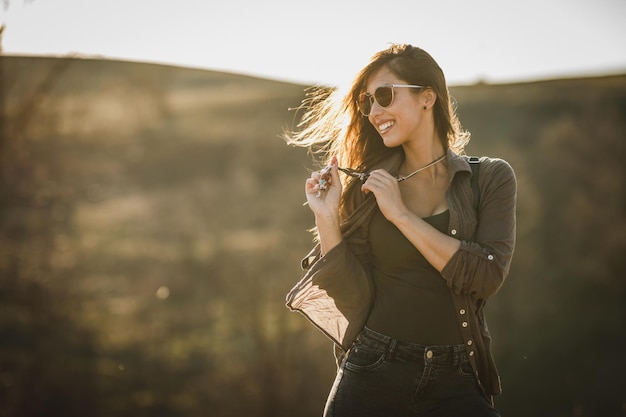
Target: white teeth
(385,126)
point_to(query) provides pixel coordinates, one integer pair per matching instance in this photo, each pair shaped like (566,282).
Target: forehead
(380,77)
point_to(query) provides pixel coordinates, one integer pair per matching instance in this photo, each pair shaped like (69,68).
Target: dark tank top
(412,301)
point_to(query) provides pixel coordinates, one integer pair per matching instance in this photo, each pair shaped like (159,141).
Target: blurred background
(151,218)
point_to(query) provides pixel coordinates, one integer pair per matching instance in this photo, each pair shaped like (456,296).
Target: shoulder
(488,166)
(496,166)
(496,173)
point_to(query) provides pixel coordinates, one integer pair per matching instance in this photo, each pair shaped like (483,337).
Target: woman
(405,260)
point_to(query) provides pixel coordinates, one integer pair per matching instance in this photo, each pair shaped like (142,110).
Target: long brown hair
(333,126)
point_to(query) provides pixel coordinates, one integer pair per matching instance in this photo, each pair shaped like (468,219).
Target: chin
(391,143)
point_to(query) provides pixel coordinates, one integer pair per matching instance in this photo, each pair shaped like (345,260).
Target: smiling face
(405,120)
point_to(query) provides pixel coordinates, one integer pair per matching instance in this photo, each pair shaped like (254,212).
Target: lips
(383,127)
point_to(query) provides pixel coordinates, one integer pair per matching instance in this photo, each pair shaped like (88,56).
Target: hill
(152,223)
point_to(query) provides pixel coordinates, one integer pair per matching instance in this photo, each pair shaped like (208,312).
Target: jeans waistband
(443,354)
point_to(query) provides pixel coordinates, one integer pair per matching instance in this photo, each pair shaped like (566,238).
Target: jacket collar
(456,163)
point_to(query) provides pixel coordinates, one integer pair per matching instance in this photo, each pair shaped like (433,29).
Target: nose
(375,108)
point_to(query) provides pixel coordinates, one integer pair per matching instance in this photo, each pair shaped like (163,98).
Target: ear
(429,98)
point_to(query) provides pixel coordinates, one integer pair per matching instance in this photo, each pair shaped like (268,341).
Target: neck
(418,157)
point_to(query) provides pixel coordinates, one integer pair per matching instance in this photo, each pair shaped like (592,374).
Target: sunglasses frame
(372,97)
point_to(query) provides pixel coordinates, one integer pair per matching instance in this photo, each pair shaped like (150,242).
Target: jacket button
(453,232)
(464,324)
(490,257)
(462,311)
(471,353)
(469,343)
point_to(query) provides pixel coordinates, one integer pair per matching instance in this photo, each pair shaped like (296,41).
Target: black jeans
(381,376)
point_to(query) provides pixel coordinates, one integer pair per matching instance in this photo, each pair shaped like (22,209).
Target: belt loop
(457,355)
(391,349)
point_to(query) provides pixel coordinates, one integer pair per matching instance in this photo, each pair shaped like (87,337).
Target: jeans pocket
(362,359)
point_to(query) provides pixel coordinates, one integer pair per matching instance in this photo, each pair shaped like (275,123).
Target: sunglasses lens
(365,104)
(384,96)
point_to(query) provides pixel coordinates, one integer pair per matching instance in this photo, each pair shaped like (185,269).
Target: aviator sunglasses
(383,95)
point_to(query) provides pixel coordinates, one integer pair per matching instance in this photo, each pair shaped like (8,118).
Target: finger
(334,170)
(374,184)
(311,186)
(369,185)
(381,174)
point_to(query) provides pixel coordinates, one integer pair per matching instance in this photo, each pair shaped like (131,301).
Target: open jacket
(336,292)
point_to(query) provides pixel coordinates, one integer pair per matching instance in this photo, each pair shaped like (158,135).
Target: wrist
(401,217)
(329,231)
(327,220)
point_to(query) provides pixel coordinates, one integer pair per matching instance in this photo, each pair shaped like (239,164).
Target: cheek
(413,114)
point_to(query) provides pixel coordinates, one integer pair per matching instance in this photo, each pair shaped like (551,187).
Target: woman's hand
(323,191)
(385,188)
(325,205)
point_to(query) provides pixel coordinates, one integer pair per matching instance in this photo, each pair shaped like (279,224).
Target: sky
(328,41)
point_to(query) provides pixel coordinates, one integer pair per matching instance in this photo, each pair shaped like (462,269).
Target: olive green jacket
(336,291)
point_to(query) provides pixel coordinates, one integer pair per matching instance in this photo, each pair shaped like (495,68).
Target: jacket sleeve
(479,267)
(334,294)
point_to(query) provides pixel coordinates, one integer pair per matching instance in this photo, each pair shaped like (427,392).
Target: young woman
(412,241)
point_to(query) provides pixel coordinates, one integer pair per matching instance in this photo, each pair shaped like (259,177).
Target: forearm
(329,232)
